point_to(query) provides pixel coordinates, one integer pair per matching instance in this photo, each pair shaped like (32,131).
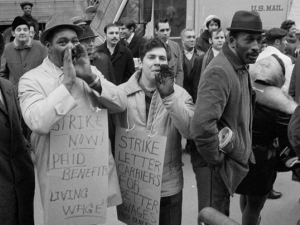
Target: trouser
(211,189)
(171,210)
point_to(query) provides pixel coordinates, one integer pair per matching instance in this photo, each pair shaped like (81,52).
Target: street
(283,211)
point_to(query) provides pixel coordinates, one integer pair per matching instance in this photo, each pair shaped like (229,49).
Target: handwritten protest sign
(139,160)
(78,168)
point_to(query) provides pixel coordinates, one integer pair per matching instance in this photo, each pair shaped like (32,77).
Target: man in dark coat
(224,99)
(120,56)
(163,30)
(99,60)
(27,8)
(17,180)
(129,38)
(21,55)
(211,23)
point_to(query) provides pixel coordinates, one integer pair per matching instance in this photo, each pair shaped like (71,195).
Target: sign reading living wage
(139,160)
(78,168)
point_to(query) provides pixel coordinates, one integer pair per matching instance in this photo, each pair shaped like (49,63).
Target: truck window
(132,10)
(175,11)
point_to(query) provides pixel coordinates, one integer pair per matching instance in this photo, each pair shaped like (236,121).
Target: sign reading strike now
(78,168)
(139,160)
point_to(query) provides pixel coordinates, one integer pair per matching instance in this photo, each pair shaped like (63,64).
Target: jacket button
(7,124)
(24,65)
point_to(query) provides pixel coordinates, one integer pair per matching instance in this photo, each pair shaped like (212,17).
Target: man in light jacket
(161,107)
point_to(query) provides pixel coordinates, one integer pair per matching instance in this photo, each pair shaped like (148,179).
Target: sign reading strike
(78,168)
(139,160)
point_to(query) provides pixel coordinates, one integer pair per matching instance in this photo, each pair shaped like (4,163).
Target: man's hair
(271,41)
(165,20)
(185,30)
(129,23)
(216,31)
(110,25)
(151,44)
(216,20)
(286,25)
(49,38)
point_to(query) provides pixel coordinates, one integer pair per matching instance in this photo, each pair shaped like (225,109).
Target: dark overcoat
(17,180)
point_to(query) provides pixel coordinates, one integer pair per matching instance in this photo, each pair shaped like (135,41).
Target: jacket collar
(234,60)
(27,45)
(49,67)
(132,85)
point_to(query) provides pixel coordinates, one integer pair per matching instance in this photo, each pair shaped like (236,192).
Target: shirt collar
(234,60)
(50,67)
(215,52)
(27,45)
(130,38)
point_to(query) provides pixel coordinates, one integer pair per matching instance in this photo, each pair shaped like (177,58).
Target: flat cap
(22,4)
(276,33)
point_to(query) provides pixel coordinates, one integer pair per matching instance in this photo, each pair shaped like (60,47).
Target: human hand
(164,81)
(69,70)
(82,64)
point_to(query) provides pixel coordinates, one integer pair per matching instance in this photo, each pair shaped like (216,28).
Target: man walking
(225,100)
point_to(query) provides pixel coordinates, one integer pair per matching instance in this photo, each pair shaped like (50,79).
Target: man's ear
(155,31)
(231,41)
(210,41)
(48,44)
(13,33)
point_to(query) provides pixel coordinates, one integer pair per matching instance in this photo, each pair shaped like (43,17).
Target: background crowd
(243,78)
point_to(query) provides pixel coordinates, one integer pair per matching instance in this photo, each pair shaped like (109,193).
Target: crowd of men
(221,79)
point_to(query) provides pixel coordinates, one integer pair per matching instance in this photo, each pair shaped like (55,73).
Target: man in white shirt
(276,41)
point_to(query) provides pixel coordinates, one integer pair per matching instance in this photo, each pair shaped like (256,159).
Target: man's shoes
(274,194)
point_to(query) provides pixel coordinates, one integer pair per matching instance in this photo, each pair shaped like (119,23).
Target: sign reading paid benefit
(139,160)
(78,168)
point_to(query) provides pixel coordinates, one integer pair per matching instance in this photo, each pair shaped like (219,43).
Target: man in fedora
(63,83)
(100,60)
(224,99)
(27,8)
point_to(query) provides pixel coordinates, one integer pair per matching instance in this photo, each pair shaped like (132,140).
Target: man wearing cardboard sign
(64,82)
(157,105)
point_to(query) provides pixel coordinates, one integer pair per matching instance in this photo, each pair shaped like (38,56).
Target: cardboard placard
(78,168)
(140,160)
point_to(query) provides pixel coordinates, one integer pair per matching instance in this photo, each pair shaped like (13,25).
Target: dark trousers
(211,189)
(171,210)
